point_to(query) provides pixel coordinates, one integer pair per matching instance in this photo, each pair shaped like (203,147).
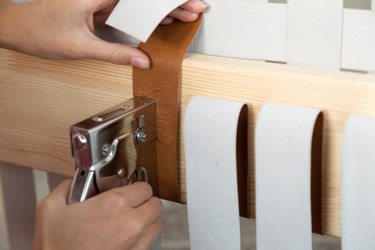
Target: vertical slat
(157,244)
(314,33)
(358,189)
(243,29)
(55,179)
(372,8)
(4,242)
(175,234)
(41,184)
(211,178)
(285,162)
(19,203)
(139,18)
(358,51)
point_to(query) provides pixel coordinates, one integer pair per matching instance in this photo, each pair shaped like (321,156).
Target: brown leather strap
(166,48)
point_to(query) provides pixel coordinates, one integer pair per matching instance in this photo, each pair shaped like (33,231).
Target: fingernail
(201,4)
(139,62)
(194,15)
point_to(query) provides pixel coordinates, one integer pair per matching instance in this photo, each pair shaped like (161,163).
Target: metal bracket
(114,148)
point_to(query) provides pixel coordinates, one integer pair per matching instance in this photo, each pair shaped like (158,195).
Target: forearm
(15,24)
(4,10)
(33,28)
(7,12)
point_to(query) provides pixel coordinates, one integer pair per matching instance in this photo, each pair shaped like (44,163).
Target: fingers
(102,5)
(142,224)
(133,195)
(167,20)
(183,15)
(194,6)
(188,12)
(138,192)
(150,235)
(149,212)
(146,222)
(115,53)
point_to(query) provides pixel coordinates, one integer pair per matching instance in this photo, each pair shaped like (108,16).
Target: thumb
(116,53)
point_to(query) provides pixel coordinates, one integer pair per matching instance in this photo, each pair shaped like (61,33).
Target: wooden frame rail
(40,99)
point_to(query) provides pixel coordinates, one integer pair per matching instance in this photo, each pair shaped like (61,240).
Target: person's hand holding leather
(58,29)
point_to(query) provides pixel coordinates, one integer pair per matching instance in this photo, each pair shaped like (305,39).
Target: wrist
(40,236)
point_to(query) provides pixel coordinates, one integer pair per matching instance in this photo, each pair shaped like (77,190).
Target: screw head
(106,149)
(79,141)
(121,173)
(82,139)
(141,137)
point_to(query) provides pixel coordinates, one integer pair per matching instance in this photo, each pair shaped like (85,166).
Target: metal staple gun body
(114,148)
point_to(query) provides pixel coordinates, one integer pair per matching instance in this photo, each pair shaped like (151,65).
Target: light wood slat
(40,99)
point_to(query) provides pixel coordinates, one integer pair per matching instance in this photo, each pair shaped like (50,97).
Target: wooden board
(40,99)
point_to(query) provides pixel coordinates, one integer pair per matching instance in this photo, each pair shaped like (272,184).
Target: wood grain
(40,99)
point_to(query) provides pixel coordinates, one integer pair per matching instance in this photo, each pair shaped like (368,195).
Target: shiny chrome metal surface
(114,148)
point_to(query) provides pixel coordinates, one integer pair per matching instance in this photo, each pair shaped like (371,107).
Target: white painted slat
(358,50)
(283,146)
(19,202)
(41,184)
(358,189)
(314,33)
(139,18)
(243,29)
(372,8)
(210,128)
(55,179)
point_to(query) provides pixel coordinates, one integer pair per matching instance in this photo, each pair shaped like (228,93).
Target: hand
(58,29)
(122,218)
